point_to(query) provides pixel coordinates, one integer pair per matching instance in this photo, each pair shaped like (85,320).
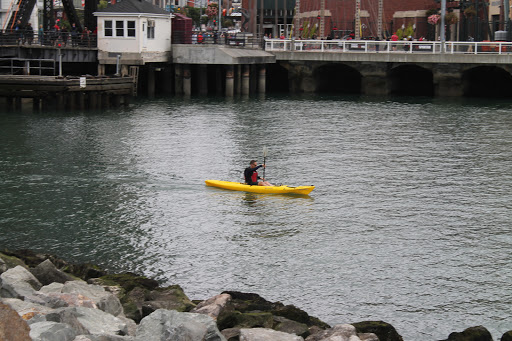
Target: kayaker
(251,175)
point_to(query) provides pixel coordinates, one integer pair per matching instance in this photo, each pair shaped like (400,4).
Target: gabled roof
(133,6)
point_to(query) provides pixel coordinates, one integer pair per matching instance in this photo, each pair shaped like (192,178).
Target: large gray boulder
(368,337)
(170,298)
(172,325)
(12,326)
(61,300)
(263,334)
(89,321)
(341,332)
(29,311)
(18,282)
(47,273)
(52,288)
(103,299)
(103,337)
(51,331)
(285,325)
(212,306)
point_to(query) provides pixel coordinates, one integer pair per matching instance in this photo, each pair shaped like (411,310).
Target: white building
(135,32)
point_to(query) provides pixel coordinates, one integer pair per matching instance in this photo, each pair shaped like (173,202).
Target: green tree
(227,23)
(102,4)
(194,14)
(400,34)
(409,31)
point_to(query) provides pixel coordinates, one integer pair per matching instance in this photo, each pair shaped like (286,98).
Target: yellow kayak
(238,186)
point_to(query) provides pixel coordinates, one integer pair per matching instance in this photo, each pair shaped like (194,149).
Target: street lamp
(443,33)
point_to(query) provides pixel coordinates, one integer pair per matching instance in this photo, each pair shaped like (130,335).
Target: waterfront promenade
(431,68)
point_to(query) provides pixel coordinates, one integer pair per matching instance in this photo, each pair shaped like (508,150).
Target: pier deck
(66,92)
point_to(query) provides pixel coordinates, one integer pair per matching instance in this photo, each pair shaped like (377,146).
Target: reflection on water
(409,221)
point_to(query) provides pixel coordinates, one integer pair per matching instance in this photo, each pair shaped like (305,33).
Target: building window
(151,29)
(119,28)
(108,28)
(122,28)
(131,28)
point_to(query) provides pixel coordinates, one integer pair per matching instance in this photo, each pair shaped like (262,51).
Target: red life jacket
(254,177)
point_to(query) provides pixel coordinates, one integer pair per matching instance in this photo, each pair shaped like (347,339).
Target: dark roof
(133,6)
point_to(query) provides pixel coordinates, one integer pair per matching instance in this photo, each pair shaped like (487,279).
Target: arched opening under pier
(487,81)
(411,80)
(337,78)
(277,79)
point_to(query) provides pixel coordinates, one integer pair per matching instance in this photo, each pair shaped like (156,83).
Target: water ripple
(409,223)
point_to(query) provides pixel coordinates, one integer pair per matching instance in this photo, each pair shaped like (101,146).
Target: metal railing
(21,66)
(48,38)
(242,40)
(372,46)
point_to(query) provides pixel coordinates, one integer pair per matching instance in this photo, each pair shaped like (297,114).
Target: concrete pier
(246,79)
(178,79)
(151,82)
(54,93)
(262,79)
(187,80)
(238,79)
(203,80)
(230,81)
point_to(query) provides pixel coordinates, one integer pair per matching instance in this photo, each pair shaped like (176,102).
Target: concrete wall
(384,78)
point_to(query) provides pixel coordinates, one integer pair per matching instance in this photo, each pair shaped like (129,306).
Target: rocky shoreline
(44,298)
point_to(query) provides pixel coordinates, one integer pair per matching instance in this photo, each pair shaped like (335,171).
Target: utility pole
(296,24)
(276,19)
(506,13)
(220,16)
(285,19)
(322,19)
(254,17)
(380,19)
(262,7)
(357,33)
(443,32)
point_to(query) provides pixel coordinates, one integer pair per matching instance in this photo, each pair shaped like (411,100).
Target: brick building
(396,14)
(340,16)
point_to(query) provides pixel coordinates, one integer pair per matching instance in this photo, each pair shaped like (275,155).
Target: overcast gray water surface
(410,221)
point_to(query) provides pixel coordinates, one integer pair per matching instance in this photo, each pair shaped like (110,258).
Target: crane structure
(322,19)
(296,24)
(21,10)
(380,19)
(357,32)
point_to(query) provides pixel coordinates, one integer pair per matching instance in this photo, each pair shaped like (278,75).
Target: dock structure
(65,93)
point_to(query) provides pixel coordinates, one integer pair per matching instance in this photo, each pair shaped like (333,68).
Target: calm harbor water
(410,221)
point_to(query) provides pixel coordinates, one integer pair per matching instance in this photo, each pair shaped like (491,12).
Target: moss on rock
(246,303)
(12,261)
(172,297)
(128,281)
(383,330)
(237,319)
(295,314)
(478,333)
(84,271)
(30,258)
(507,336)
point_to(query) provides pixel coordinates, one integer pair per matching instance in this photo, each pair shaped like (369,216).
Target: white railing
(372,46)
